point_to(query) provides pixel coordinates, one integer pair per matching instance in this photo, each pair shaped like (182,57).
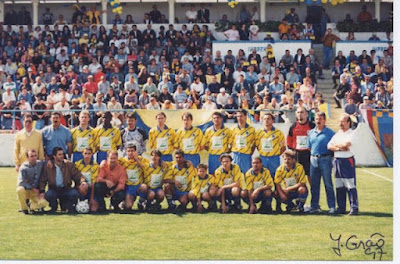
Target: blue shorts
(101,155)
(213,163)
(178,194)
(194,158)
(167,157)
(133,190)
(156,190)
(77,156)
(271,163)
(243,160)
(228,195)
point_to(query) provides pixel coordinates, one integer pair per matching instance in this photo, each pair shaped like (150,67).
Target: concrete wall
(274,11)
(366,150)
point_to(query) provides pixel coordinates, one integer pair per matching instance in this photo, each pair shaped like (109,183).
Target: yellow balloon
(341,1)
(301,1)
(334,2)
(324,1)
(112,3)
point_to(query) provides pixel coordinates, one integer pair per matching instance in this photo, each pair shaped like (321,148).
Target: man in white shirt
(8,96)
(209,104)
(94,66)
(345,167)
(222,98)
(153,105)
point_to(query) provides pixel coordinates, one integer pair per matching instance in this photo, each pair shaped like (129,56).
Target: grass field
(193,236)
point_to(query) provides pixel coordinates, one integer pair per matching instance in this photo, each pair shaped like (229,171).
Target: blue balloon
(309,2)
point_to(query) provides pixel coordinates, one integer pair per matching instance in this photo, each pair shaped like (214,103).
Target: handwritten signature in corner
(373,246)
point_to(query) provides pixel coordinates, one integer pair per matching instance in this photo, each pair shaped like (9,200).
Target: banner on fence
(381,124)
(279,47)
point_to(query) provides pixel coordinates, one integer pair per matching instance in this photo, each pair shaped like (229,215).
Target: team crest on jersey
(167,134)
(223,134)
(112,134)
(90,135)
(273,136)
(247,132)
(295,175)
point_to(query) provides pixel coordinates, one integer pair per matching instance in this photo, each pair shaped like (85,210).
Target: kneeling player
(154,175)
(179,182)
(259,187)
(89,169)
(290,180)
(200,189)
(230,182)
(133,163)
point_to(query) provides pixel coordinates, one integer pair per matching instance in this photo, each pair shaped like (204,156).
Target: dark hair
(131,115)
(225,155)
(217,114)
(180,152)
(57,149)
(156,152)
(202,166)
(56,113)
(243,111)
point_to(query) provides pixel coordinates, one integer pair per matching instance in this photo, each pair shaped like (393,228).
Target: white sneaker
(307,208)
(331,211)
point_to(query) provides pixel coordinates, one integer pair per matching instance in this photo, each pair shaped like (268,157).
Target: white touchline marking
(377,175)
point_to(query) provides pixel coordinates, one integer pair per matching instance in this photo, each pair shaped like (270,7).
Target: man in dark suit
(203,15)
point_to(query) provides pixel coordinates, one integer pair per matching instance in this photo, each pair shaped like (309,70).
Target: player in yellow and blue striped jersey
(242,142)
(270,143)
(200,188)
(162,138)
(290,181)
(107,138)
(89,169)
(189,139)
(259,187)
(83,136)
(230,182)
(179,182)
(155,174)
(216,141)
(134,165)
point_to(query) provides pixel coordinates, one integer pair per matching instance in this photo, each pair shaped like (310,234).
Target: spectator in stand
(283,28)
(383,96)
(191,15)
(374,37)
(203,15)
(328,42)
(244,15)
(350,36)
(155,15)
(364,16)
(292,17)
(308,32)
(232,34)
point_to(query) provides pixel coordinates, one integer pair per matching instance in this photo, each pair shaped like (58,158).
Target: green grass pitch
(198,236)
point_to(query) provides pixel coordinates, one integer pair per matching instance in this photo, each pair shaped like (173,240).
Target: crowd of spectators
(78,67)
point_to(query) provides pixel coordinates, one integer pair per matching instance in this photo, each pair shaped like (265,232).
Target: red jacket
(298,132)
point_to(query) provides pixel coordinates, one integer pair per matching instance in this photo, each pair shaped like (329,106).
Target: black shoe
(171,208)
(25,212)
(353,212)
(278,209)
(51,211)
(181,208)
(338,107)
(212,207)
(321,77)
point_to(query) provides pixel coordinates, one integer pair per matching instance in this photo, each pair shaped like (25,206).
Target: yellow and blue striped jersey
(217,141)
(82,139)
(292,177)
(107,139)
(189,141)
(183,175)
(89,171)
(269,143)
(256,180)
(133,171)
(162,140)
(223,177)
(154,175)
(202,185)
(242,139)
